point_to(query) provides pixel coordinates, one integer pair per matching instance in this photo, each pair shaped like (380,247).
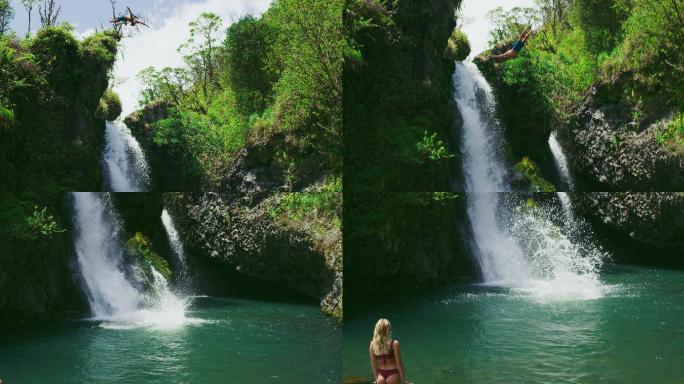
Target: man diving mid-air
(131,19)
(517,47)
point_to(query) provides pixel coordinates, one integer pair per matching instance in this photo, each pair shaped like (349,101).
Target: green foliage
(141,246)
(201,54)
(458,46)
(21,220)
(308,95)
(57,50)
(51,88)
(509,24)
(110,106)
(279,75)
(530,170)
(204,142)
(298,205)
(247,47)
(7,119)
(41,222)
(673,134)
(632,44)
(431,148)
(600,22)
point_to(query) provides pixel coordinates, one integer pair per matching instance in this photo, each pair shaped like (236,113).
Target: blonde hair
(381,337)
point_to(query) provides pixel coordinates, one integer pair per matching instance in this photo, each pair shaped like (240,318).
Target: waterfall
(501,260)
(483,167)
(561,161)
(123,159)
(114,289)
(515,247)
(567,207)
(176,246)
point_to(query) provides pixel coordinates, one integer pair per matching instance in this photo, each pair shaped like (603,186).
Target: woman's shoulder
(395,343)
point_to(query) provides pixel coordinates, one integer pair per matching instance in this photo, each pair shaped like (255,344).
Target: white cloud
(157,46)
(478,26)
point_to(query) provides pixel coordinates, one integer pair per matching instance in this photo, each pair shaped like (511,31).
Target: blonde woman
(385,355)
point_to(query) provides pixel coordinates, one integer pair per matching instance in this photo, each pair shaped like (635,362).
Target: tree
(509,24)
(6,15)
(28,6)
(201,51)
(49,13)
(601,22)
(169,84)
(247,48)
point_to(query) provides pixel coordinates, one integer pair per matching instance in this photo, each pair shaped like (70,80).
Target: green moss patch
(458,46)
(140,246)
(530,170)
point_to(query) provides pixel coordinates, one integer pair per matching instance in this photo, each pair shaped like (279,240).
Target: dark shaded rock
(403,242)
(247,239)
(637,226)
(254,172)
(656,218)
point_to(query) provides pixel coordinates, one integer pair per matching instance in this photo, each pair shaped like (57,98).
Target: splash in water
(529,253)
(562,266)
(124,162)
(113,289)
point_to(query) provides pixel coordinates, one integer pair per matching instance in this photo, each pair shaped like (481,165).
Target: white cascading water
(561,161)
(501,260)
(531,254)
(176,245)
(113,294)
(567,207)
(124,162)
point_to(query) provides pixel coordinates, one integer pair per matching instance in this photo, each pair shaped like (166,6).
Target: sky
(169,20)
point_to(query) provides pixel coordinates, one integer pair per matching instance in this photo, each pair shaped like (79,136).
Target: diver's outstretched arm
(504,56)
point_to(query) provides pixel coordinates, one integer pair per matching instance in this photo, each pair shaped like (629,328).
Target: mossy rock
(110,106)
(458,46)
(140,246)
(530,170)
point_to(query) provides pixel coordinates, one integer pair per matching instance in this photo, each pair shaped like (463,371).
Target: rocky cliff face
(248,237)
(637,225)
(605,146)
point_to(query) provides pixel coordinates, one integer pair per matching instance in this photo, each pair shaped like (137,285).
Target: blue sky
(91,14)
